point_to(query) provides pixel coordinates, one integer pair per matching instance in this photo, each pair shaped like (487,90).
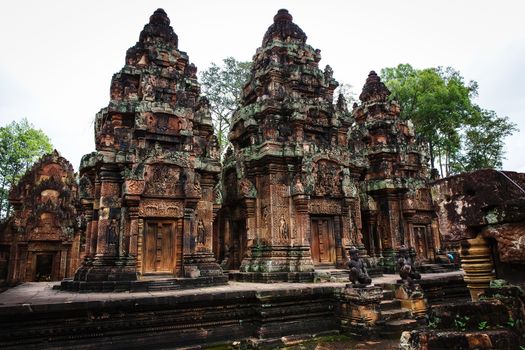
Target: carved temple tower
(41,240)
(147,192)
(290,188)
(396,203)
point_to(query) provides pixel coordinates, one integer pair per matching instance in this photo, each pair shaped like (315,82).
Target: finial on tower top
(283,15)
(159,17)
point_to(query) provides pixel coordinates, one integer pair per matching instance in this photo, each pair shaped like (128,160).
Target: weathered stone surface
(147,192)
(487,205)
(359,309)
(41,240)
(469,201)
(495,322)
(164,320)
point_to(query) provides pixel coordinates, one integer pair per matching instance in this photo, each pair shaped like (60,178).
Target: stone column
(107,265)
(199,265)
(88,212)
(302,261)
(476,261)
(133,231)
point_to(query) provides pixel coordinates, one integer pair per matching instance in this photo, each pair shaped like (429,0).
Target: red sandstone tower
(147,191)
(290,184)
(396,203)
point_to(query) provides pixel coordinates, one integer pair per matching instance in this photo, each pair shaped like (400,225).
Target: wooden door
(323,241)
(239,242)
(420,233)
(159,247)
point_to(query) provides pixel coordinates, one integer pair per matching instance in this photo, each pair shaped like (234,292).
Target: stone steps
(436,268)
(396,314)
(394,328)
(395,319)
(390,304)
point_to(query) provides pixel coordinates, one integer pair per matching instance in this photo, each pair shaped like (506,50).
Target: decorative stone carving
(42,237)
(358,273)
(407,270)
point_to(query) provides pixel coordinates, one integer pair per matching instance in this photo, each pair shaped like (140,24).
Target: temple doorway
(239,242)
(160,247)
(44,267)
(421,241)
(322,244)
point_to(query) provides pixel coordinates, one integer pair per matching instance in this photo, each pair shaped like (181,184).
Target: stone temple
(308,191)
(41,240)
(147,192)
(306,179)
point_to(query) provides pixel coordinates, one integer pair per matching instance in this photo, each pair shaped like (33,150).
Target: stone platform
(34,315)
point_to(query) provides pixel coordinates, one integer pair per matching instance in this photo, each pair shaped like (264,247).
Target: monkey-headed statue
(358,274)
(407,271)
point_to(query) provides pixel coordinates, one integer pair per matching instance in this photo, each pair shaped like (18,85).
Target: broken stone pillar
(476,261)
(360,309)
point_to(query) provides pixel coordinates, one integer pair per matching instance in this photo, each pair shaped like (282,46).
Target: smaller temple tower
(395,197)
(41,240)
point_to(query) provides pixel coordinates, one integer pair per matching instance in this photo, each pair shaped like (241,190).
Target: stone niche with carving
(41,240)
(290,199)
(147,190)
(395,194)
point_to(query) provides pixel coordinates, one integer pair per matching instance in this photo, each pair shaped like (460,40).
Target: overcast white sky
(57,57)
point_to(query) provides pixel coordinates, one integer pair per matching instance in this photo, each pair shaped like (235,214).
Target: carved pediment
(161,208)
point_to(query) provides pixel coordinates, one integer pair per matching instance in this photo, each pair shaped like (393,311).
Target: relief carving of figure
(247,189)
(213,148)
(148,91)
(112,236)
(348,186)
(283,228)
(297,187)
(201,233)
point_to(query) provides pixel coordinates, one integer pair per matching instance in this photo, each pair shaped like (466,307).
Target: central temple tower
(290,189)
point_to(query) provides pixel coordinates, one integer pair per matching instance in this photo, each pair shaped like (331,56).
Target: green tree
(482,141)
(222,84)
(348,93)
(20,146)
(440,103)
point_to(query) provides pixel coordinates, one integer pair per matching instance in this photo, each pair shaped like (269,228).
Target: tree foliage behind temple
(461,136)
(20,146)
(222,85)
